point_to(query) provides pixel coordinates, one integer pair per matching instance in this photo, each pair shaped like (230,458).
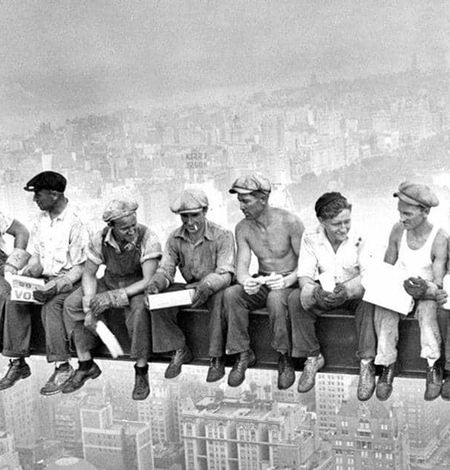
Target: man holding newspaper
(59,239)
(130,252)
(419,249)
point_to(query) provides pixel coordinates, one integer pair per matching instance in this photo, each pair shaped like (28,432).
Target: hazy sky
(65,55)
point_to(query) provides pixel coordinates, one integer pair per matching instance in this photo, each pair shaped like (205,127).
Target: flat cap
(47,180)
(190,200)
(118,208)
(249,184)
(417,194)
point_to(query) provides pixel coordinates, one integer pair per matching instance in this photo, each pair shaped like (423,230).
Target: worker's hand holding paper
(384,287)
(170,299)
(23,287)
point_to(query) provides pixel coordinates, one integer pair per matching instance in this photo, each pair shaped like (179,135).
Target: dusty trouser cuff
(119,298)
(18,258)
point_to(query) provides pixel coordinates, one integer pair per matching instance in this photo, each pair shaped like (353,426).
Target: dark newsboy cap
(47,180)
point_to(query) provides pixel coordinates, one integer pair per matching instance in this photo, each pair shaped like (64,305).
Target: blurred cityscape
(189,424)
(362,137)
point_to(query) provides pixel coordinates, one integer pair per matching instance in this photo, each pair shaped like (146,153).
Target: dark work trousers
(237,305)
(5,290)
(167,335)
(17,333)
(137,321)
(304,338)
(444,327)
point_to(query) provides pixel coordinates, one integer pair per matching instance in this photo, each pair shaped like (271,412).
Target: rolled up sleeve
(151,247)
(226,254)
(78,243)
(170,260)
(94,250)
(307,260)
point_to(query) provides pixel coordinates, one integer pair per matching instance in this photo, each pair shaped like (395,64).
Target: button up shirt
(150,246)
(317,256)
(60,242)
(5,222)
(213,253)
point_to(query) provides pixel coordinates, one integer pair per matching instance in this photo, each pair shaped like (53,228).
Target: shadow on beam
(336,332)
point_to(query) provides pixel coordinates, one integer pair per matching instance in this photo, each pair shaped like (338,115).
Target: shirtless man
(420,249)
(273,235)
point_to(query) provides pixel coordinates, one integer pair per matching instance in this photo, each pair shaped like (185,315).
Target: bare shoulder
(396,232)
(286,217)
(441,240)
(242,228)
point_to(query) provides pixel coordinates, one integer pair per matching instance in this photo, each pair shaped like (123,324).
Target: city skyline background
(146,98)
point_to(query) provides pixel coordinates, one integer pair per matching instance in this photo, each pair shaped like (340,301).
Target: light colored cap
(189,201)
(417,194)
(118,208)
(249,184)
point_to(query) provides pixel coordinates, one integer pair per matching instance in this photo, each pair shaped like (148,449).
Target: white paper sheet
(327,281)
(170,299)
(446,286)
(109,339)
(384,287)
(22,287)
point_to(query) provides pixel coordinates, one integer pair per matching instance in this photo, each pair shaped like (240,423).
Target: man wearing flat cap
(59,239)
(273,235)
(130,253)
(420,249)
(204,253)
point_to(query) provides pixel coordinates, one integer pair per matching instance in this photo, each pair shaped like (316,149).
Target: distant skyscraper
(369,436)
(9,459)
(114,444)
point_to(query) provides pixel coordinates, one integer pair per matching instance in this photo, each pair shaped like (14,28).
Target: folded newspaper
(170,299)
(22,287)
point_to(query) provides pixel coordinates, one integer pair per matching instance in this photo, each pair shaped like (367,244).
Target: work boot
(237,374)
(445,390)
(80,377)
(141,388)
(58,379)
(17,370)
(181,356)
(216,369)
(433,382)
(384,385)
(308,378)
(366,384)
(286,372)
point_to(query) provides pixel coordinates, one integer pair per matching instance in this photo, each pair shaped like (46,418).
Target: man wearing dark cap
(204,253)
(420,249)
(273,235)
(59,239)
(329,271)
(130,253)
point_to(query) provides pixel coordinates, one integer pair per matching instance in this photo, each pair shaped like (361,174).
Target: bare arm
(391,255)
(20,233)
(244,255)
(296,232)
(89,279)
(148,270)
(440,254)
